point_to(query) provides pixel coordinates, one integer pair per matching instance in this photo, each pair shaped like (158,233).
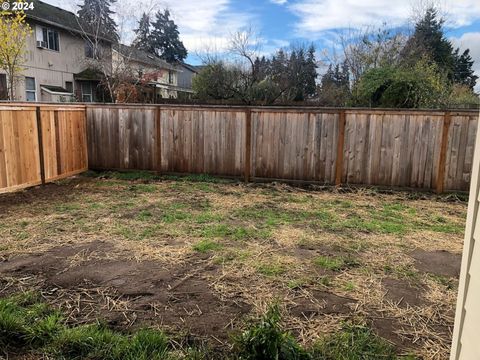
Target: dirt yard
(201,257)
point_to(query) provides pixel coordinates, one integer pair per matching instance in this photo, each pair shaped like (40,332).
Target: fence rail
(400,148)
(39,144)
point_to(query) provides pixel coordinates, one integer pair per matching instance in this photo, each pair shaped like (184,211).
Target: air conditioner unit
(41,44)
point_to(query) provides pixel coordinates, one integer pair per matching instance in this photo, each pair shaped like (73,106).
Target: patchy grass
(354,342)
(27,324)
(314,250)
(205,246)
(335,263)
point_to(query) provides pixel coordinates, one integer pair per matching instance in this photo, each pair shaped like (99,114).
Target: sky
(207,25)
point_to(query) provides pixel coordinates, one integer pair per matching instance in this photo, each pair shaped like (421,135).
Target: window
(170,77)
(87,95)
(50,39)
(30,89)
(88,49)
(3,87)
(69,86)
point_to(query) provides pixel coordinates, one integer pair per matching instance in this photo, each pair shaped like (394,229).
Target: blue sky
(206,25)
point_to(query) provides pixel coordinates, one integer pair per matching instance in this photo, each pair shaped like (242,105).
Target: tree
(96,18)
(143,39)
(429,41)
(165,40)
(334,89)
(13,39)
(418,86)
(463,73)
(369,48)
(215,81)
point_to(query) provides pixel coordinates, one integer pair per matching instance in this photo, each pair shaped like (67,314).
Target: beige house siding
(50,67)
(465,343)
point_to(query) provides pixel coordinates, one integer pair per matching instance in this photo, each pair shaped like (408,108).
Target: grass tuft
(335,263)
(353,342)
(205,246)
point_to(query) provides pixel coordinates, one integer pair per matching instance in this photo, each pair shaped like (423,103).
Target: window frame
(55,38)
(87,94)
(88,50)
(67,87)
(34,91)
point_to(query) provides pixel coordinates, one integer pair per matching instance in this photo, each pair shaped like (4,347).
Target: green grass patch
(28,325)
(143,188)
(237,233)
(354,342)
(271,269)
(67,207)
(144,215)
(126,176)
(335,263)
(205,246)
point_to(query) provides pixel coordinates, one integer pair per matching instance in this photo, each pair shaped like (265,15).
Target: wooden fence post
(248,143)
(57,142)
(447,118)
(158,143)
(340,143)
(40,144)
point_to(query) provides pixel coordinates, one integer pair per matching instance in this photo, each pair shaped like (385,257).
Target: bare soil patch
(439,262)
(177,297)
(402,293)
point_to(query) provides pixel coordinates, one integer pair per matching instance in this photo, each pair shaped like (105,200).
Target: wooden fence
(400,148)
(39,144)
(397,148)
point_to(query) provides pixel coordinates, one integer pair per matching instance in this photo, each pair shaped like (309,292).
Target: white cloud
(202,24)
(471,41)
(279,2)
(316,16)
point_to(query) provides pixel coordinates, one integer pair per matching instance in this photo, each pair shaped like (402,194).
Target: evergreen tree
(165,38)
(428,41)
(310,72)
(97,16)
(143,40)
(463,70)
(335,86)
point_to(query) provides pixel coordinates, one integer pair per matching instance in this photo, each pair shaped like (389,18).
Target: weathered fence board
(392,149)
(294,146)
(210,142)
(35,150)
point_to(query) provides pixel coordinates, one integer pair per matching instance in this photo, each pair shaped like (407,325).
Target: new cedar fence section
(39,144)
(401,148)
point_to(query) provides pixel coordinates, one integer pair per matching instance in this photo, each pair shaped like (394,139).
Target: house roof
(142,56)
(55,89)
(53,15)
(193,68)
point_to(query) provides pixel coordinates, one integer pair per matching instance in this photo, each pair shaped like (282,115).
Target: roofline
(55,92)
(169,66)
(190,67)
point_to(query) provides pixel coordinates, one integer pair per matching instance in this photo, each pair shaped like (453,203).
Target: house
(152,76)
(57,67)
(186,73)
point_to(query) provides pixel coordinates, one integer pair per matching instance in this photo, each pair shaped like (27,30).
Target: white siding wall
(466,334)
